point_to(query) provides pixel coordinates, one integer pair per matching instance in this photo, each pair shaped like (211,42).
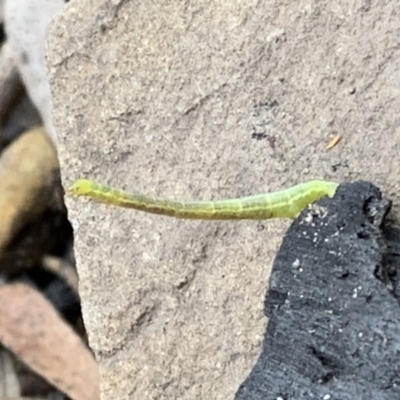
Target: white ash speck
(308,218)
(296,263)
(319,211)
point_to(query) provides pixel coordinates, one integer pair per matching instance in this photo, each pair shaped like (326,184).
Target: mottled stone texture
(208,99)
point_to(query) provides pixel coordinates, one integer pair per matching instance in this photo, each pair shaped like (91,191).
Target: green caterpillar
(282,204)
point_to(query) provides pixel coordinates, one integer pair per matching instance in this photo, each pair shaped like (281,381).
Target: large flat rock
(201,99)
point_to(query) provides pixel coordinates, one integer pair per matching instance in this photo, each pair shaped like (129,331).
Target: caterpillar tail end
(331,188)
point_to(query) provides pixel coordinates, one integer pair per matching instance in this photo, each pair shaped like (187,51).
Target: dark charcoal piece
(334,317)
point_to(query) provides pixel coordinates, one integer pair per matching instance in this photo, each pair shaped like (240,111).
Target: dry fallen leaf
(33,330)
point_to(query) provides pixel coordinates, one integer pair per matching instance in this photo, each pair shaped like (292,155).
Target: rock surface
(202,99)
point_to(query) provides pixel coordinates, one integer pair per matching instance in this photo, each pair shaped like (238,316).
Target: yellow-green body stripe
(282,204)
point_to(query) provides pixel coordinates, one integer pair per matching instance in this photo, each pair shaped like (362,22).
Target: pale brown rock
(202,99)
(27,170)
